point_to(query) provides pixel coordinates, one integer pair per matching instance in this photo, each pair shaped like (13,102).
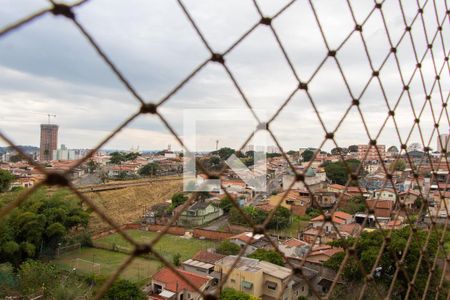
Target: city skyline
(89,102)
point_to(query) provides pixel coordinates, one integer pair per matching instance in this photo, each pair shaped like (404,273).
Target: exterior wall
(203,216)
(384,195)
(281,292)
(48,142)
(372,152)
(236,278)
(328,227)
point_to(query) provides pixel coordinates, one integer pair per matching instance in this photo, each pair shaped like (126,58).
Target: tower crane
(48,115)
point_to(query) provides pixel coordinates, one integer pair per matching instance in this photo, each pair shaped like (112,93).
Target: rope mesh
(429,20)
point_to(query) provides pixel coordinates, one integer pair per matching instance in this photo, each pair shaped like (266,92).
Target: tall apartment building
(443,142)
(372,153)
(49,141)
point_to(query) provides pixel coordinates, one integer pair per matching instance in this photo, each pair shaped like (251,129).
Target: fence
(428,65)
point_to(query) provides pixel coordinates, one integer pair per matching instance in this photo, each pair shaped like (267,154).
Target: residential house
(202,262)
(384,194)
(338,218)
(321,253)
(297,201)
(260,278)
(382,210)
(254,241)
(199,213)
(167,284)
(409,198)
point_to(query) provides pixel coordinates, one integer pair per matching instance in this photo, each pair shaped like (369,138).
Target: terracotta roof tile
(173,282)
(207,257)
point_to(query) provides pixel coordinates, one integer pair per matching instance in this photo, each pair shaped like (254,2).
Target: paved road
(215,225)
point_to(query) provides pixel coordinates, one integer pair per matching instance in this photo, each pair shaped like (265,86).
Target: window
(271,285)
(232,280)
(247,285)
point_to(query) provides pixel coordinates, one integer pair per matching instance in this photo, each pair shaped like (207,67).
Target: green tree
(338,172)
(5,180)
(118,157)
(176,260)
(149,169)
(307,155)
(39,225)
(269,256)
(124,289)
(35,275)
(368,248)
(281,218)
(339,150)
(398,165)
(232,294)
(353,148)
(354,205)
(92,166)
(224,153)
(15,158)
(226,204)
(228,248)
(178,199)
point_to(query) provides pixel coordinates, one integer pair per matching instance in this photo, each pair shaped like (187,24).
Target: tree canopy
(124,289)
(367,250)
(228,248)
(118,157)
(149,169)
(398,165)
(353,148)
(224,153)
(269,256)
(280,220)
(5,180)
(232,294)
(338,172)
(39,224)
(339,150)
(178,199)
(307,155)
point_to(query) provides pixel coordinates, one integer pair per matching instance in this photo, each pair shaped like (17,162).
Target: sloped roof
(173,282)
(338,217)
(207,257)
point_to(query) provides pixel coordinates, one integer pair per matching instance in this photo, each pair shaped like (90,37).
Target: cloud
(49,67)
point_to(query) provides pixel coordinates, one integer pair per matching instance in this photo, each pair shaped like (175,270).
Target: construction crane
(48,115)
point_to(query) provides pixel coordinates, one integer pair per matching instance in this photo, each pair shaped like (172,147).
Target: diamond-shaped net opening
(402,83)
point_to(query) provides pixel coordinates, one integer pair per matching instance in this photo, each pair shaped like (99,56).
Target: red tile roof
(207,257)
(339,217)
(382,208)
(294,243)
(173,282)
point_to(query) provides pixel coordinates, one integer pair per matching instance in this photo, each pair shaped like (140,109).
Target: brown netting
(435,101)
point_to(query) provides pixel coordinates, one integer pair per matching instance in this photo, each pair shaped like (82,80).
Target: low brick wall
(175,230)
(212,234)
(111,231)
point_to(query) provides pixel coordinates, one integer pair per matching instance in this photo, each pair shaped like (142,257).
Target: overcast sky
(49,67)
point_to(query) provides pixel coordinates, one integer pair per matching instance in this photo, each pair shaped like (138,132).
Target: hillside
(126,205)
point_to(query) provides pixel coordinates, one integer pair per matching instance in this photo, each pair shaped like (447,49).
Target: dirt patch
(128,204)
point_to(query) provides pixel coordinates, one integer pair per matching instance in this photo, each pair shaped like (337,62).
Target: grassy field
(167,246)
(138,271)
